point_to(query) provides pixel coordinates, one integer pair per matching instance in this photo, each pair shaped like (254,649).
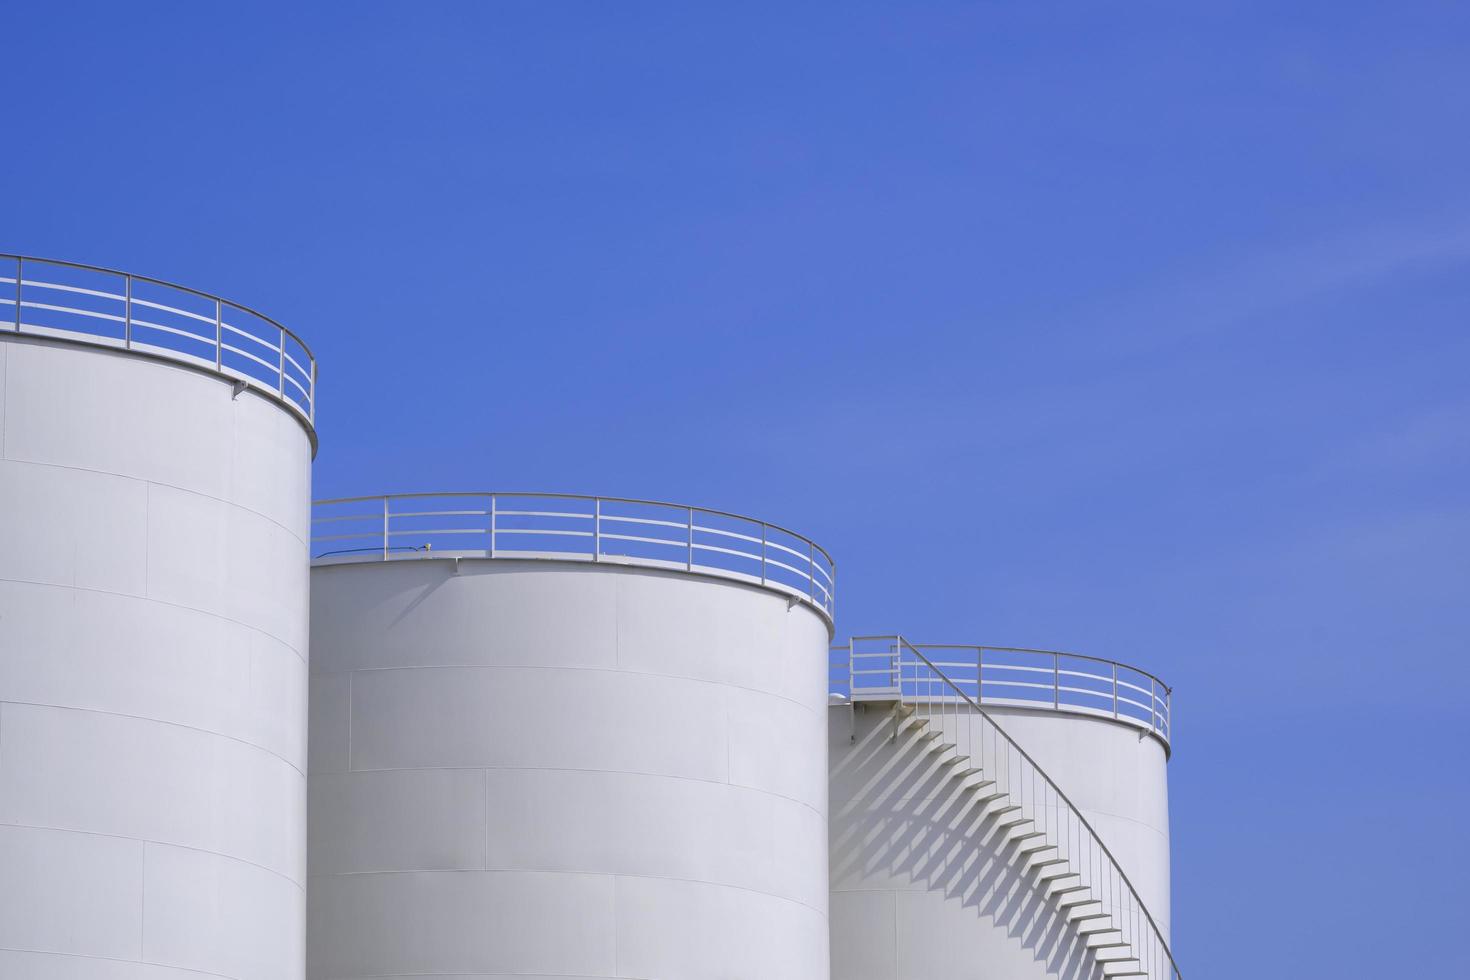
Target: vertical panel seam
(142,901)
(349,719)
(147,534)
(4,393)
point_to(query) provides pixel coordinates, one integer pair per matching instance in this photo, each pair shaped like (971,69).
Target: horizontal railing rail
(105,307)
(1020,677)
(957,719)
(575,527)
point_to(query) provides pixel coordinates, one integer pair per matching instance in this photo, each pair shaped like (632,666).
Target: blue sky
(1128,329)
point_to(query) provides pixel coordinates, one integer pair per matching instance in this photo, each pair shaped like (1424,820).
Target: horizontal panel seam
(117,959)
(162,721)
(814,712)
(623,772)
(584,874)
(161,843)
(305,542)
(162,602)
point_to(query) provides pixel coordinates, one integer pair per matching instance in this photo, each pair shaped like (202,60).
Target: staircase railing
(957,719)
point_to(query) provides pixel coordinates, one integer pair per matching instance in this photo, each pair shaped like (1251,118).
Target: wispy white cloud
(1236,293)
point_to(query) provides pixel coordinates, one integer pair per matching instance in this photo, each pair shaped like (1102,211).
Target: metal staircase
(1012,801)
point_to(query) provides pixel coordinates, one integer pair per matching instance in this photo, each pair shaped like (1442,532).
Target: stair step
(1068,890)
(1007,816)
(1028,835)
(1048,874)
(929,736)
(1119,944)
(1035,847)
(1089,916)
(1048,863)
(1061,884)
(1089,927)
(1078,900)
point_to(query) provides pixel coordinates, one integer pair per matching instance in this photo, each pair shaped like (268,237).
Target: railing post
(492,525)
(128,312)
(282,362)
(979,675)
(1056,681)
(898,670)
(1115,690)
(764,531)
(219,349)
(811,569)
(385,528)
(311,409)
(689,555)
(596,528)
(1153,705)
(851,679)
(19,270)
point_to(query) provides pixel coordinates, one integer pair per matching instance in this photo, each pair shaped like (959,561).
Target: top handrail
(1049,653)
(1026,677)
(278,377)
(162,282)
(1061,795)
(627,530)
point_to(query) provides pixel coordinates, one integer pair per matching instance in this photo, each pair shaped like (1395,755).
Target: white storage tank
(1030,843)
(563,736)
(155,451)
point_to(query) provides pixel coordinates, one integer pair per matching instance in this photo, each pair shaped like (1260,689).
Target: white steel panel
(72,527)
(653,735)
(220,916)
(72,893)
(153,528)
(106,652)
(400,820)
(136,778)
(470,922)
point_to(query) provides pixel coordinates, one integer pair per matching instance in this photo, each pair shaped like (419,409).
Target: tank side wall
(153,644)
(556,769)
(1118,780)
(918,889)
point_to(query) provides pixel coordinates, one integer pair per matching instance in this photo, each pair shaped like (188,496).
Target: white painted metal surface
(565,768)
(153,580)
(956,853)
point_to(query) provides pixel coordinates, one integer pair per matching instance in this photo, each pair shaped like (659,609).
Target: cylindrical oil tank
(921,888)
(597,754)
(154,525)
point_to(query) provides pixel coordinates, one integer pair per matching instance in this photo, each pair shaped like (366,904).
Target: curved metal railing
(574,527)
(108,308)
(1020,677)
(1071,860)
